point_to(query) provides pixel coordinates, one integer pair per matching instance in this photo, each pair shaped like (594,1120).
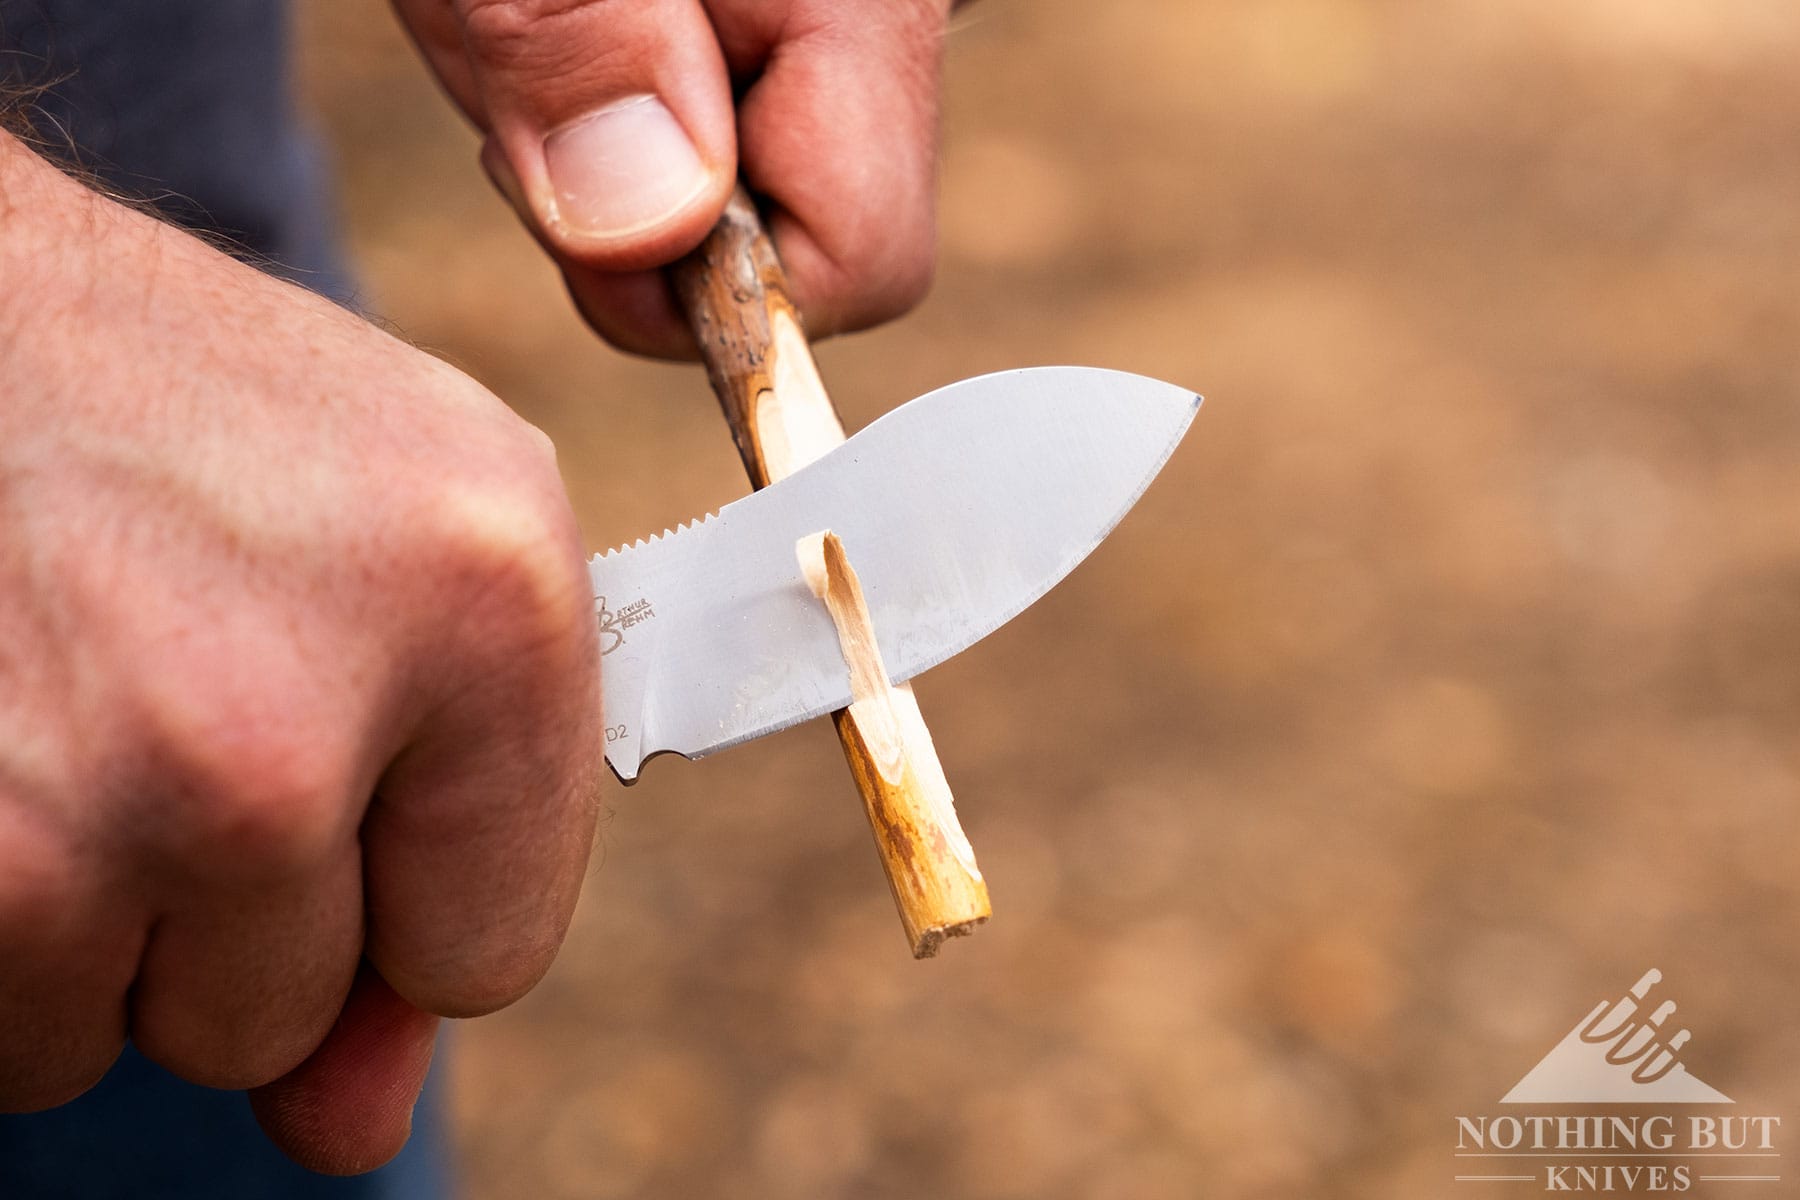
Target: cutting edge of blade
(1078,553)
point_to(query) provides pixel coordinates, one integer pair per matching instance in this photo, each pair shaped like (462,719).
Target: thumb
(610,122)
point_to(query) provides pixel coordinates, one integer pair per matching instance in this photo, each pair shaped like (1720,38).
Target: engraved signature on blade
(614,624)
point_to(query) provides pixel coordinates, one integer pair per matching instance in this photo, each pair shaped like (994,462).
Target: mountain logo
(1620,1053)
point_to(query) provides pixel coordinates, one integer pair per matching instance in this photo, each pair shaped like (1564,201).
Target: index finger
(840,133)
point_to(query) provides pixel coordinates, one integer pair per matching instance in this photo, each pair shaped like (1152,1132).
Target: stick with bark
(735,296)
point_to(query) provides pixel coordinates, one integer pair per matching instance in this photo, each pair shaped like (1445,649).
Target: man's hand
(297,668)
(612,128)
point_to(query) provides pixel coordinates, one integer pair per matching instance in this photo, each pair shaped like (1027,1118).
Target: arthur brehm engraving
(614,624)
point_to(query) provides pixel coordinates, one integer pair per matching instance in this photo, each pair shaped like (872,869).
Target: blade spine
(657,539)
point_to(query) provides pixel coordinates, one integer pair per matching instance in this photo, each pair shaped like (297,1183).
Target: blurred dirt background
(1446,680)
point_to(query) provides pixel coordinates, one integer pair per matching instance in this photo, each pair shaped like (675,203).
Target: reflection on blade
(958,509)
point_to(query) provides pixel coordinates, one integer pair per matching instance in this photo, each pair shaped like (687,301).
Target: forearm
(27,200)
(51,230)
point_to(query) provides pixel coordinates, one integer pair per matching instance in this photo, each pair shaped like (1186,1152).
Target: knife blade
(959,508)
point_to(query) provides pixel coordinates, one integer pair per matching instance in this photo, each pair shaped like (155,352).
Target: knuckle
(511,35)
(258,799)
(904,39)
(276,809)
(516,558)
(537,448)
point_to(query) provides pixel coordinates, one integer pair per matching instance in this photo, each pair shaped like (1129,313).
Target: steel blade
(957,509)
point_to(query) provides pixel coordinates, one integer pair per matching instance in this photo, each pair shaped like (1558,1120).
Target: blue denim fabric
(143,1134)
(185,104)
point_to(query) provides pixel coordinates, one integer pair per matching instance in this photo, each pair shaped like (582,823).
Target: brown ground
(1445,681)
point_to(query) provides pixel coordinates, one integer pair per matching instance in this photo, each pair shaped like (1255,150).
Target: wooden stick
(762,370)
(895,765)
